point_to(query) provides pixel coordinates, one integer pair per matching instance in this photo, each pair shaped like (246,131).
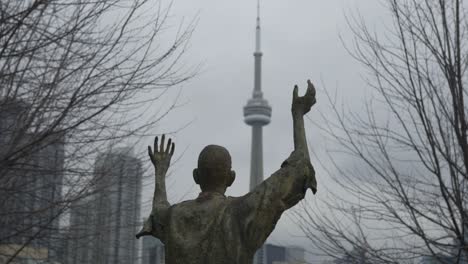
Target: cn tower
(257,112)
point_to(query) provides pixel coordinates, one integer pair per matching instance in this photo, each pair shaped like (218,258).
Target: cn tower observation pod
(257,112)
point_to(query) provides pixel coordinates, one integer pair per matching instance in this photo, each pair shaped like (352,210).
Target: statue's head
(214,172)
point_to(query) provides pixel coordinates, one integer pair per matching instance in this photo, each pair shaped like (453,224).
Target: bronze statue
(215,229)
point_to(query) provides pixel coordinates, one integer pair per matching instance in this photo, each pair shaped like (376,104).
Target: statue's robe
(214,229)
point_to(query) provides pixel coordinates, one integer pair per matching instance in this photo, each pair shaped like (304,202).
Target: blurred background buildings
(103,226)
(31,189)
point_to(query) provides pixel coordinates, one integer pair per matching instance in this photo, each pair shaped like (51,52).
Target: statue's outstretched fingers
(295,91)
(169,143)
(310,84)
(155,145)
(161,147)
(150,154)
(310,89)
(150,151)
(172,148)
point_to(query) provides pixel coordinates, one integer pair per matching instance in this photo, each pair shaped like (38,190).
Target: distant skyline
(300,41)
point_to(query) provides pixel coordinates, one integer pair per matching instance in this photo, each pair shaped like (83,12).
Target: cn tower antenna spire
(258,30)
(258,10)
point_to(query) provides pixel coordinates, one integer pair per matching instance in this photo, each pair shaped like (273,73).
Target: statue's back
(209,230)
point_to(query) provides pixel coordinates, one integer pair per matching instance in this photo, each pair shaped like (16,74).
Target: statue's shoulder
(183,204)
(185,208)
(234,198)
(236,201)
(204,211)
(201,204)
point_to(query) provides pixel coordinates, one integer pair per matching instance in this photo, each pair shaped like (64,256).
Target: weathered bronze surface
(215,229)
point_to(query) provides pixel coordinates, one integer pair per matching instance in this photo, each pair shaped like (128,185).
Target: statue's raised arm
(300,106)
(161,159)
(263,206)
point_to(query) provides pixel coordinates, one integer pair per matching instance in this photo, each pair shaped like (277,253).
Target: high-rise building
(31,176)
(103,225)
(118,186)
(153,251)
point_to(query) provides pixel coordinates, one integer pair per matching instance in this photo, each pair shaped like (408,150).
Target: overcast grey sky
(300,41)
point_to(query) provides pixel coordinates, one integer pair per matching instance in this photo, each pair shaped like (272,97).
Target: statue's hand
(301,104)
(161,159)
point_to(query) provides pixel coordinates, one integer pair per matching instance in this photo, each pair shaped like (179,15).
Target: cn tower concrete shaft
(256,158)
